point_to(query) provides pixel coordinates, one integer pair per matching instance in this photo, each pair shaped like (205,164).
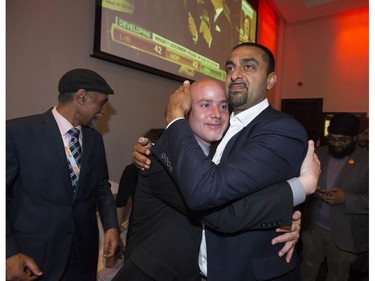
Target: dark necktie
(75,150)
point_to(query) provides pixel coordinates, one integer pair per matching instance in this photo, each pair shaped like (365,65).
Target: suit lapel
(243,133)
(54,143)
(324,163)
(348,168)
(228,148)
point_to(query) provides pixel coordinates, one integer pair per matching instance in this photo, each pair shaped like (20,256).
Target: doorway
(309,112)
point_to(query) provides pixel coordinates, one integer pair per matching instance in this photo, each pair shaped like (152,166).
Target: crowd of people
(218,195)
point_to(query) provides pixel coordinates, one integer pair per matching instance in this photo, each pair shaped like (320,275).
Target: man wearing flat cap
(56,180)
(335,221)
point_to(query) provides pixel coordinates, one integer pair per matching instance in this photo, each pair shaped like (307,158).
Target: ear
(271,80)
(81,96)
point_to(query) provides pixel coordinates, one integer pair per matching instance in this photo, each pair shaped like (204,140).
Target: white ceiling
(300,10)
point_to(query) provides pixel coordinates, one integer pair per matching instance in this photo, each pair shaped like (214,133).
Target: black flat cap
(85,79)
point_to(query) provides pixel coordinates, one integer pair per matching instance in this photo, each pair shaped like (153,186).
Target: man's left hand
(290,237)
(179,103)
(111,246)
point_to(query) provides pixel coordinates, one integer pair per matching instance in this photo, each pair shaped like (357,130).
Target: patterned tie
(75,150)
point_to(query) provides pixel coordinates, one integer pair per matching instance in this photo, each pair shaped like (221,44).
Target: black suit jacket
(164,238)
(42,213)
(269,150)
(127,185)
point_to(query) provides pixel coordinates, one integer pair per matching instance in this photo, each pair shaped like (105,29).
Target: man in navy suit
(51,222)
(262,147)
(163,243)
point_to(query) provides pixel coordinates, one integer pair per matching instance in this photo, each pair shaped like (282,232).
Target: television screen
(180,39)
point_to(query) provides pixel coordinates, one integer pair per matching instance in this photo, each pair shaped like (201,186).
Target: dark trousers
(74,270)
(130,272)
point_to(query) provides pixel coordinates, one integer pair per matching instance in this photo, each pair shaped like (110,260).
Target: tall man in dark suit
(261,147)
(54,187)
(163,243)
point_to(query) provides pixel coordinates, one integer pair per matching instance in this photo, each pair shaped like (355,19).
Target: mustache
(236,84)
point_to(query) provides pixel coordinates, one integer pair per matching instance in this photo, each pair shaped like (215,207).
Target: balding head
(209,112)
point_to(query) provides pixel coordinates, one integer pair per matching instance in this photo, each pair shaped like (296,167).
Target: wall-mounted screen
(179,39)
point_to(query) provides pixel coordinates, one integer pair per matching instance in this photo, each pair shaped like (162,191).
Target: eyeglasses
(342,141)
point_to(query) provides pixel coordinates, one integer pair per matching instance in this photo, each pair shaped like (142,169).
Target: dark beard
(346,151)
(237,99)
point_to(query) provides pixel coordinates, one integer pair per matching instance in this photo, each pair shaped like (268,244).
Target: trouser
(73,270)
(130,271)
(318,244)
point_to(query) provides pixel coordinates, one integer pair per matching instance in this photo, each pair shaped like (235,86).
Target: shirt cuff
(299,195)
(170,123)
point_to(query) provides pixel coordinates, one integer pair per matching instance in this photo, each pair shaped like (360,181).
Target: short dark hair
(65,97)
(269,59)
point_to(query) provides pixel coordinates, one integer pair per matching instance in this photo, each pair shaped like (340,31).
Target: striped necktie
(75,152)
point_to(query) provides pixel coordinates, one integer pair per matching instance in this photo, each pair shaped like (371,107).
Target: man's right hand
(179,103)
(141,153)
(21,268)
(310,170)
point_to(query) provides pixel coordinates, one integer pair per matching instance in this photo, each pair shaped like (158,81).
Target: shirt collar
(205,149)
(63,124)
(246,116)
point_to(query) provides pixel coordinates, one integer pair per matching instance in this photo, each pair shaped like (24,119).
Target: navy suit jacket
(269,150)
(43,215)
(164,238)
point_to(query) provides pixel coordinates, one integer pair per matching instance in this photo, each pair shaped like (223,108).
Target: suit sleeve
(160,184)
(357,203)
(11,173)
(266,209)
(128,183)
(274,153)
(106,203)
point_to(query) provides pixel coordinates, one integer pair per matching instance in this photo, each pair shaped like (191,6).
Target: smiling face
(248,77)
(209,113)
